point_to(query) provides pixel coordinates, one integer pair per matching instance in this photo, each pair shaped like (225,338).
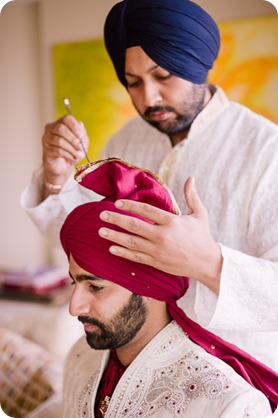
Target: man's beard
(183,120)
(121,329)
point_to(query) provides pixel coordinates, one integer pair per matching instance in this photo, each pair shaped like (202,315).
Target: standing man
(146,358)
(227,239)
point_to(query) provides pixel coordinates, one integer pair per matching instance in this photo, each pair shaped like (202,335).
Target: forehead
(83,276)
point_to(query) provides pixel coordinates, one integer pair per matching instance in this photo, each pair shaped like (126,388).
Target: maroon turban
(79,235)
(117,179)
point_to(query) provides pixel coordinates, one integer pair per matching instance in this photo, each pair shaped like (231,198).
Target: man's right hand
(62,149)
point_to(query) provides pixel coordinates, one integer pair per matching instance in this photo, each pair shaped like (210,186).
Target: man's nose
(152,95)
(79,302)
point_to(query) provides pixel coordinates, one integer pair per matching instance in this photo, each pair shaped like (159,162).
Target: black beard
(180,124)
(183,120)
(121,329)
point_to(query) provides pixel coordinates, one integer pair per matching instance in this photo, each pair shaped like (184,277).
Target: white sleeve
(248,295)
(49,215)
(249,283)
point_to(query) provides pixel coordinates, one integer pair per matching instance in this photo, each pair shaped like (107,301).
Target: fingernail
(113,250)
(103,232)
(119,203)
(104,216)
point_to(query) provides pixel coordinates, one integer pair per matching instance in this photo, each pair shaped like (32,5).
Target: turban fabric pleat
(178,35)
(116,179)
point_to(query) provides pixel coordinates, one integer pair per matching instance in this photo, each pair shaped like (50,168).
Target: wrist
(214,268)
(53,188)
(53,185)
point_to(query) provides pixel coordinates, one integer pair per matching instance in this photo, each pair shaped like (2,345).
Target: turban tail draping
(117,179)
(178,35)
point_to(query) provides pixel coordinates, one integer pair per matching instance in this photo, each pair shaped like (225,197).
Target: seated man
(143,356)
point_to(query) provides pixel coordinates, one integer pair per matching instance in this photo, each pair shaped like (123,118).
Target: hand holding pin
(67,104)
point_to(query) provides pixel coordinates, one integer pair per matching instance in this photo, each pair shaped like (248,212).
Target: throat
(129,352)
(177,138)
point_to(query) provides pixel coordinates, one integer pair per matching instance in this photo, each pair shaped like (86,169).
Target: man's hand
(62,148)
(179,245)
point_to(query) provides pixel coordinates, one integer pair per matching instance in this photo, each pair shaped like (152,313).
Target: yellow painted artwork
(246,68)
(247,65)
(85,75)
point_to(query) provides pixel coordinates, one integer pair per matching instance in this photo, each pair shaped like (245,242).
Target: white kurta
(233,155)
(171,377)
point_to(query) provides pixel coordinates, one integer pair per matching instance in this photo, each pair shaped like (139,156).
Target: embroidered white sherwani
(233,155)
(171,377)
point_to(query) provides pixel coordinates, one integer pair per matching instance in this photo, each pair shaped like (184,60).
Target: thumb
(193,201)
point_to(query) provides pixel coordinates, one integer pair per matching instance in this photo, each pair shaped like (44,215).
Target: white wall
(66,21)
(28,29)
(20,128)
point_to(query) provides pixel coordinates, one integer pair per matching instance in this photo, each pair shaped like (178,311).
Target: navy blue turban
(178,35)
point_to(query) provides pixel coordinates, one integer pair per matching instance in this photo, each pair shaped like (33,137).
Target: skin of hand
(62,149)
(179,245)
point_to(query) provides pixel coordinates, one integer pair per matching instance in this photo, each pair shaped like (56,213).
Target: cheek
(115,302)
(137,100)
(173,96)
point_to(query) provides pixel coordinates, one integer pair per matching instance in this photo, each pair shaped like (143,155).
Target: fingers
(194,204)
(133,247)
(145,210)
(135,256)
(62,139)
(129,224)
(143,232)
(142,240)
(125,241)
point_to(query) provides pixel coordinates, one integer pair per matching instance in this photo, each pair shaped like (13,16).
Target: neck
(177,138)
(156,321)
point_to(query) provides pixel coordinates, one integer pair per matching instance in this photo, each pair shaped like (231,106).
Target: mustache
(153,109)
(91,321)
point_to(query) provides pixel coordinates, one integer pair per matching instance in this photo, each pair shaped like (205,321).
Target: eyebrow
(149,71)
(85,277)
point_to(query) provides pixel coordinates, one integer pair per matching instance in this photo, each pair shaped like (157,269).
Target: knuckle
(59,153)
(56,141)
(60,129)
(136,258)
(133,225)
(131,243)
(163,240)
(75,142)
(146,209)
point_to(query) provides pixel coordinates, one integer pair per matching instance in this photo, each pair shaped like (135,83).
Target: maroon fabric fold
(112,374)
(115,179)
